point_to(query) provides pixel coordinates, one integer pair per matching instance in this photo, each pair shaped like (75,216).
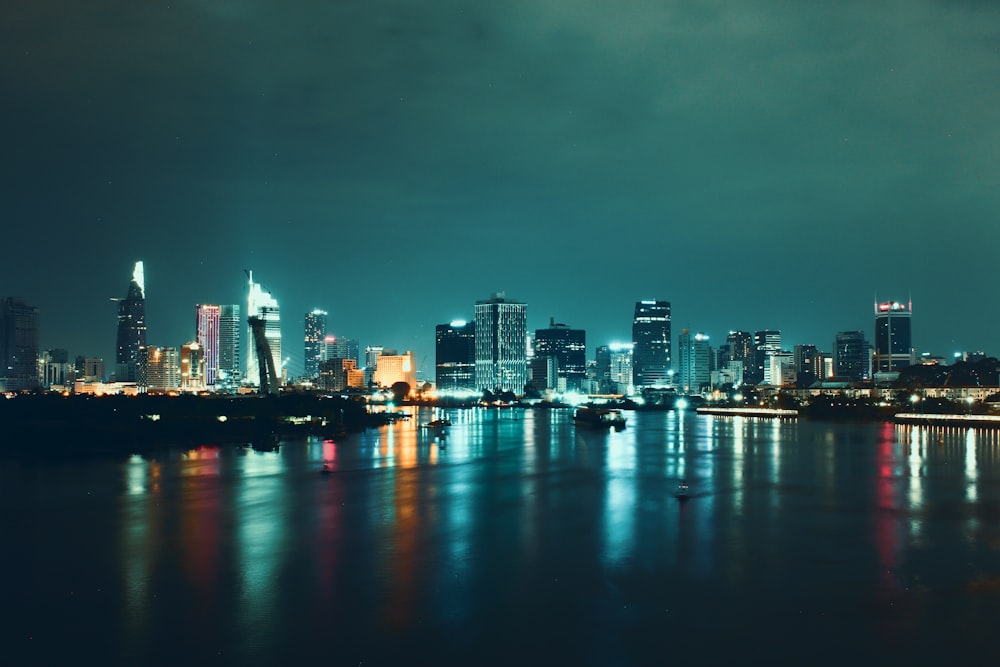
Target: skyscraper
(131,326)
(455,356)
(18,345)
(620,367)
(315,333)
(192,367)
(766,344)
(162,369)
(569,348)
(694,364)
(851,357)
(501,344)
(261,304)
(230,366)
(651,344)
(208,321)
(807,365)
(893,336)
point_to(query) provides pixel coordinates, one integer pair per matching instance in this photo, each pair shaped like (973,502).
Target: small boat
(683,491)
(326,469)
(600,418)
(437,423)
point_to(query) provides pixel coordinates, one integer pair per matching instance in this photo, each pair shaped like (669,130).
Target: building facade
(568,347)
(393,367)
(851,356)
(208,321)
(501,344)
(264,306)
(18,345)
(315,335)
(694,362)
(230,357)
(192,367)
(651,362)
(893,336)
(766,344)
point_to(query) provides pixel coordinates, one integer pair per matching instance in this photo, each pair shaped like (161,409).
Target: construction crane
(269,384)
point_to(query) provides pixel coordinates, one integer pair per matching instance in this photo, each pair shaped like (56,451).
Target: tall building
(340,347)
(162,369)
(651,344)
(766,344)
(230,359)
(455,356)
(315,333)
(569,349)
(808,365)
(694,362)
(851,356)
(620,362)
(893,336)
(501,344)
(192,367)
(207,323)
(131,326)
(18,345)
(261,304)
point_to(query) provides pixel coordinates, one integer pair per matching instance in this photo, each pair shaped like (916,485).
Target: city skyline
(759,166)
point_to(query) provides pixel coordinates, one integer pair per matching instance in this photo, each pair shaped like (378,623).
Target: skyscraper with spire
(261,304)
(131,327)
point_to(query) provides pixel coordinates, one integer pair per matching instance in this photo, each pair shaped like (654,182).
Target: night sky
(759,164)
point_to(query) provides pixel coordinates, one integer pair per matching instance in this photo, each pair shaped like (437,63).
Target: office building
(392,367)
(230,371)
(893,336)
(694,362)
(620,367)
(315,335)
(651,344)
(501,344)
(851,356)
(192,367)
(568,347)
(261,304)
(340,347)
(207,323)
(455,356)
(162,369)
(131,326)
(18,345)
(808,365)
(766,343)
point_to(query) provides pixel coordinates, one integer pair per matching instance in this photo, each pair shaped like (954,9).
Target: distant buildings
(315,333)
(501,344)
(261,304)
(766,344)
(131,327)
(808,365)
(694,357)
(161,370)
(893,336)
(651,344)
(393,367)
(18,345)
(620,356)
(339,347)
(568,348)
(192,367)
(455,356)
(208,319)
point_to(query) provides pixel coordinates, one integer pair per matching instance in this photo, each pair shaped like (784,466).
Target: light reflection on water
(507,520)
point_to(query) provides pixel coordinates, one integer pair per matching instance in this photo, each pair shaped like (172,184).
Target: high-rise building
(740,348)
(192,367)
(340,347)
(766,344)
(620,367)
(651,344)
(162,369)
(230,359)
(315,333)
(893,336)
(18,345)
(569,349)
(851,356)
(207,323)
(131,326)
(455,356)
(54,369)
(264,306)
(694,364)
(501,344)
(808,365)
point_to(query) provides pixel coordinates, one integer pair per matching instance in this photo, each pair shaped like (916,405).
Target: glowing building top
(261,304)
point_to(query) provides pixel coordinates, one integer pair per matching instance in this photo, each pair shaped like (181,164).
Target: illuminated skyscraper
(651,344)
(569,348)
(315,333)
(766,344)
(261,304)
(620,367)
(162,369)
(208,320)
(893,336)
(501,344)
(694,365)
(230,366)
(455,355)
(392,368)
(18,345)
(131,326)
(192,366)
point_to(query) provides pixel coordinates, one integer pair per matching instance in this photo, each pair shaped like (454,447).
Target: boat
(326,469)
(600,418)
(683,491)
(437,423)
